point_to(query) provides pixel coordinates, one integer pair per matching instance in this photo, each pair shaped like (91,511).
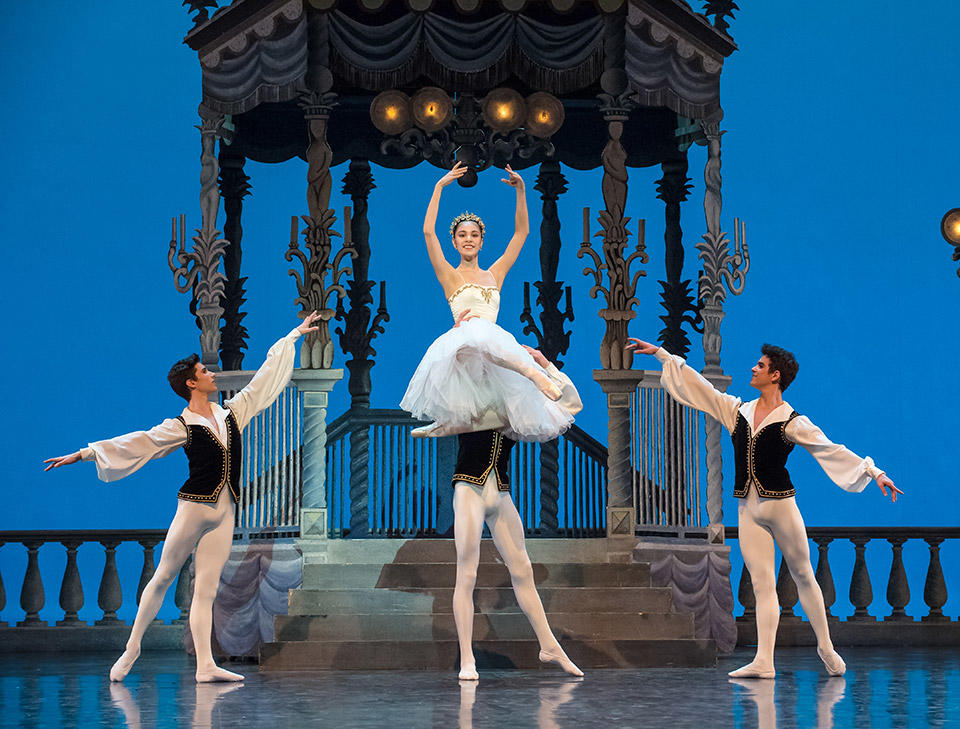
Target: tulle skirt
(462,376)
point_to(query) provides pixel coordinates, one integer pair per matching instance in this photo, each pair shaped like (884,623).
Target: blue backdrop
(838,154)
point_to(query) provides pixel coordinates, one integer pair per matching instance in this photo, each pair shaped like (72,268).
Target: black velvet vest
(762,459)
(211,465)
(479,452)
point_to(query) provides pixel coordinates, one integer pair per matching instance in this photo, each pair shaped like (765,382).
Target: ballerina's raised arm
(503,264)
(446,274)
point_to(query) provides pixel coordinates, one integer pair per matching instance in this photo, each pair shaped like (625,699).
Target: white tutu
(458,381)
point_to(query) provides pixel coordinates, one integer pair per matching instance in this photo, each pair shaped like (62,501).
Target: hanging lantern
(544,114)
(504,110)
(950,227)
(390,112)
(432,109)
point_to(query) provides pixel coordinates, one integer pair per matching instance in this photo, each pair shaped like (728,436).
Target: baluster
(71,589)
(184,592)
(824,575)
(861,592)
(746,597)
(31,593)
(935,588)
(146,573)
(110,595)
(898,589)
(786,593)
(3,596)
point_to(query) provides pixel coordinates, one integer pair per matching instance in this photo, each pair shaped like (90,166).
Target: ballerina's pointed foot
(754,670)
(433,430)
(556,655)
(546,386)
(832,661)
(468,672)
(124,663)
(217,674)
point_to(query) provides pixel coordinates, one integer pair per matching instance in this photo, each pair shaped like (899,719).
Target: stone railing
(71,594)
(862,627)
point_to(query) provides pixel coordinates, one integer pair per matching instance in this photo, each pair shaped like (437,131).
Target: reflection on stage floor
(882,688)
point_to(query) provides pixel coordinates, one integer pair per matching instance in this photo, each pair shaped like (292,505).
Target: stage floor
(882,688)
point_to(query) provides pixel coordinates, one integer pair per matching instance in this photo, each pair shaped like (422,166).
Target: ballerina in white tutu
(476,369)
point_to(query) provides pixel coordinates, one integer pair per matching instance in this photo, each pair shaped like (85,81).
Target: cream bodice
(483,301)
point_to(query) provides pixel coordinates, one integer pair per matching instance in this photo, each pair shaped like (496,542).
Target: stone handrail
(109,593)
(861,590)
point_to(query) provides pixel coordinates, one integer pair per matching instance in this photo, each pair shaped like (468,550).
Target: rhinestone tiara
(464,217)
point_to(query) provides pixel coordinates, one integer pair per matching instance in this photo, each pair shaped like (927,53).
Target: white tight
(763,522)
(209,529)
(471,507)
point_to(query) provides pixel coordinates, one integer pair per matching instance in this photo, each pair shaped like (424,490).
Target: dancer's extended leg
(756,544)
(467,530)
(790,534)
(212,553)
(188,525)
(529,369)
(506,528)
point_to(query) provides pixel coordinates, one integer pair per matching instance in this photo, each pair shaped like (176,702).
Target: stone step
(430,574)
(486,600)
(496,626)
(383,551)
(443,655)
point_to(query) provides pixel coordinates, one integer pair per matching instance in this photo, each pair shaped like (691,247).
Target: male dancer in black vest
(481,485)
(210,435)
(764,432)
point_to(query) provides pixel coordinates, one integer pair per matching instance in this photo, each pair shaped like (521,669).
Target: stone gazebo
(611,83)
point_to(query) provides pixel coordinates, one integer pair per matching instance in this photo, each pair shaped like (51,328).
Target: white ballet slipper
(468,672)
(215,674)
(752,670)
(123,664)
(433,430)
(556,655)
(832,662)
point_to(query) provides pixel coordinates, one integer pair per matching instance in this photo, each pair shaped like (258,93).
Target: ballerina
(204,521)
(477,368)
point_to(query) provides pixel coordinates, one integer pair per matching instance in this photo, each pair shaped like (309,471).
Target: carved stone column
(356,336)
(71,589)
(208,308)
(317,349)
(551,338)
(234,186)
(315,386)
(676,296)
(721,270)
(618,385)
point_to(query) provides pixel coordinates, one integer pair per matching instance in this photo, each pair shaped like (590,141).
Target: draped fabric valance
(273,60)
(666,70)
(466,55)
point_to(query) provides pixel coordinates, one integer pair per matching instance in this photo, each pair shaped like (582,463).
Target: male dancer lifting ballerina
(764,432)
(210,436)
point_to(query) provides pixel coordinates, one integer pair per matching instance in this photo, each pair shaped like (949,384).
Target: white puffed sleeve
(690,388)
(121,456)
(267,383)
(844,467)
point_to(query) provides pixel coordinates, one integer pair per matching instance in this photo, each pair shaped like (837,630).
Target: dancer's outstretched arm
(446,274)
(689,387)
(502,265)
(273,375)
(844,467)
(121,456)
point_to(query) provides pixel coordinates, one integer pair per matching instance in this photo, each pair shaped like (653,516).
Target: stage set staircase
(384,604)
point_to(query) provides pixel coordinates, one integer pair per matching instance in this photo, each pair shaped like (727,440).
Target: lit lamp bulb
(390,112)
(432,109)
(950,227)
(503,110)
(544,114)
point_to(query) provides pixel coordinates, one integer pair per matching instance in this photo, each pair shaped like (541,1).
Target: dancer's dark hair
(183,370)
(783,362)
